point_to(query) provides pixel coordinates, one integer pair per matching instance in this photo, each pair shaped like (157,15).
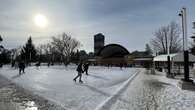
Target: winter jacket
(86,66)
(80,68)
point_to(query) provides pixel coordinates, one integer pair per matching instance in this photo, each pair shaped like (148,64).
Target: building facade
(98,42)
(112,54)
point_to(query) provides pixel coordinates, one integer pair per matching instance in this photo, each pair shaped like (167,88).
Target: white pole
(186,53)
(168,45)
(185,29)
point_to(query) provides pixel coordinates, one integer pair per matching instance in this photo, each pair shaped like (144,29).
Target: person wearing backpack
(80,71)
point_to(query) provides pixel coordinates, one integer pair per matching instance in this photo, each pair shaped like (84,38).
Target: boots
(80,81)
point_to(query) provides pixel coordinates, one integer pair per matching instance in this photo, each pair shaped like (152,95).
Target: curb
(109,101)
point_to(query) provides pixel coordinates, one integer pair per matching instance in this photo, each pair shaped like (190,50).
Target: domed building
(112,54)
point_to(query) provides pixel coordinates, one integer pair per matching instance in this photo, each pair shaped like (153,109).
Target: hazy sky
(130,23)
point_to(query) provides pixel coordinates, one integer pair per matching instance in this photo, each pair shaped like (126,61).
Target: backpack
(79,68)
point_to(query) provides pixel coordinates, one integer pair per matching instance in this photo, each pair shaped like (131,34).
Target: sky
(130,23)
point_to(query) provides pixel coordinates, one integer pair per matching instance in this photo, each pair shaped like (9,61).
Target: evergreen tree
(1,51)
(1,39)
(29,51)
(1,46)
(4,54)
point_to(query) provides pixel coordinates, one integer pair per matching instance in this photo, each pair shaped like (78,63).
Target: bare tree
(65,45)
(148,50)
(40,49)
(167,34)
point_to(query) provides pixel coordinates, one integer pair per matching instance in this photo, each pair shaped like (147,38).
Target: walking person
(80,71)
(21,67)
(86,67)
(121,66)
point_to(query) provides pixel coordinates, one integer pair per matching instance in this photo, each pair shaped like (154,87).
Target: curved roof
(112,50)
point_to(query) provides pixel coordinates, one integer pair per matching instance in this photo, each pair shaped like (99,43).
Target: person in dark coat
(21,67)
(80,71)
(121,66)
(38,64)
(86,67)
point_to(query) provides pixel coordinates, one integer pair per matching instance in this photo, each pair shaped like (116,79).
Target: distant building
(113,54)
(140,59)
(83,55)
(98,42)
(116,54)
(140,54)
(177,62)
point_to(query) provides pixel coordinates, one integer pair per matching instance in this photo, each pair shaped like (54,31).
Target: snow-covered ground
(56,84)
(154,92)
(104,89)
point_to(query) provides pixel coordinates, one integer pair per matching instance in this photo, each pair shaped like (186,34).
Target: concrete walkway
(154,92)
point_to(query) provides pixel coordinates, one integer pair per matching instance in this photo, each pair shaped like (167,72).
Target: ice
(104,88)
(55,83)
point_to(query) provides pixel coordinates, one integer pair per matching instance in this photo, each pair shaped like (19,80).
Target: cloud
(128,22)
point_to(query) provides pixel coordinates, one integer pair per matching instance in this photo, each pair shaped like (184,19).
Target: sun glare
(40,20)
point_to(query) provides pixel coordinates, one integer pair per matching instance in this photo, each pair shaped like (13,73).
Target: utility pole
(185,42)
(168,60)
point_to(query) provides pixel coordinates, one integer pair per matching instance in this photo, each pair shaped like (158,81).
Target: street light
(185,47)
(181,14)
(168,61)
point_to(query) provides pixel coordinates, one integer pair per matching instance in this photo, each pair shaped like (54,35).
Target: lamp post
(168,61)
(185,47)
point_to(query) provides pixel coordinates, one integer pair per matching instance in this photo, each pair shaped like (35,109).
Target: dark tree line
(62,49)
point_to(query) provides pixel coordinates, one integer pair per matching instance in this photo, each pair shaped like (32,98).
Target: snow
(104,89)
(154,92)
(56,84)
(109,101)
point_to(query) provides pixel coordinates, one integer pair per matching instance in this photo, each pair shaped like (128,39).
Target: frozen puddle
(56,84)
(10,100)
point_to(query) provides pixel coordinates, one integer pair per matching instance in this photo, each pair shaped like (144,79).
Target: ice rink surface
(56,84)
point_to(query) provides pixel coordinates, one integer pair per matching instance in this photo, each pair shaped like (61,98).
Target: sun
(40,20)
